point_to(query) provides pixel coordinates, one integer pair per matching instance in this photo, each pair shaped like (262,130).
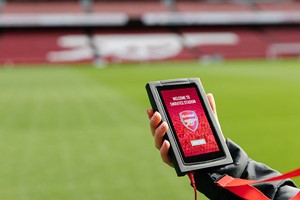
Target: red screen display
(189,121)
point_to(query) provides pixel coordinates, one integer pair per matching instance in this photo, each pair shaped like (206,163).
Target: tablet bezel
(181,166)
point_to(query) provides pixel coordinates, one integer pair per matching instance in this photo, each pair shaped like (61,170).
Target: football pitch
(74,133)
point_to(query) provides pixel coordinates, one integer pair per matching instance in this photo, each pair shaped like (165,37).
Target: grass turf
(82,133)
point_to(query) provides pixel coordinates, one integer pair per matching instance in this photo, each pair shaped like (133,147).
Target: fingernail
(154,117)
(164,124)
(164,145)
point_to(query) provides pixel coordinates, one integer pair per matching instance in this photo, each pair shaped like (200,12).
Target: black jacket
(245,168)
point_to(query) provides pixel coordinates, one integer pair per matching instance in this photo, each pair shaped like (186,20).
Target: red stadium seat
(41,7)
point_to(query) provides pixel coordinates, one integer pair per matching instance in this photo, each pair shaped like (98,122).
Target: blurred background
(73,121)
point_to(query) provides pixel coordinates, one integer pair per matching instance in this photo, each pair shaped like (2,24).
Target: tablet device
(194,134)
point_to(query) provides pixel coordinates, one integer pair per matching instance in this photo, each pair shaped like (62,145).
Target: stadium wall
(149,32)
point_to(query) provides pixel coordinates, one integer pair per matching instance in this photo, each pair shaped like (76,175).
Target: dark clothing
(245,168)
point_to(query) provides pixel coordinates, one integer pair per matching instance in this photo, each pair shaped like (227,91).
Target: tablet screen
(193,129)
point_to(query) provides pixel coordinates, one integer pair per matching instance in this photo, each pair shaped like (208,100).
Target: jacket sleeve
(245,168)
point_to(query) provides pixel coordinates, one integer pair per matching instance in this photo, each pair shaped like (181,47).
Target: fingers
(157,127)
(212,103)
(159,134)
(150,112)
(164,153)
(155,120)
(158,130)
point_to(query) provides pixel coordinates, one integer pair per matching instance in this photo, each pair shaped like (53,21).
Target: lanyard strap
(297,197)
(245,190)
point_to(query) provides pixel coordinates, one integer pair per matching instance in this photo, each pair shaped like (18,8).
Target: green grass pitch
(74,133)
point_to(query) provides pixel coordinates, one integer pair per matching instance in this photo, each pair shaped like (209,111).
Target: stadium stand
(190,6)
(100,31)
(287,6)
(132,9)
(31,46)
(41,7)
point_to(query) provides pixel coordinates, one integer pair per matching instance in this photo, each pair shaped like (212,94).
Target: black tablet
(194,134)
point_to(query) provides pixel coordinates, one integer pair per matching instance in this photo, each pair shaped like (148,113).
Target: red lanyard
(245,190)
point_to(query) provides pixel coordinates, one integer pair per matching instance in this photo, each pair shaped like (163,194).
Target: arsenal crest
(189,119)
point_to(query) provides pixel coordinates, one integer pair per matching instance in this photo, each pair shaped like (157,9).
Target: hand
(159,129)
